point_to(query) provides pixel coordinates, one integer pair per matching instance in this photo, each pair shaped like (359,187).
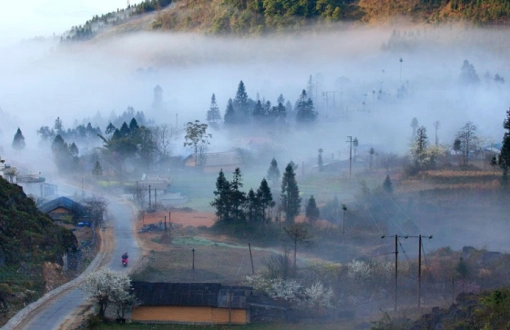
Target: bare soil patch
(184,218)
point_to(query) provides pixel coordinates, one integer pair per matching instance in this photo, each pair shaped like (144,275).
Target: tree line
(242,110)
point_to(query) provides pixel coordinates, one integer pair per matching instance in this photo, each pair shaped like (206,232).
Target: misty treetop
(81,133)
(290,200)
(242,110)
(18,142)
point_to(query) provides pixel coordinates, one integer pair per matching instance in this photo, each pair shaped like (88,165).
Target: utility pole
(193,264)
(350,156)
(150,197)
(251,259)
(395,305)
(419,273)
(325,95)
(419,237)
(396,272)
(344,209)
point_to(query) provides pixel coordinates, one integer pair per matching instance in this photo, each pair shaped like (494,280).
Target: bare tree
(298,233)
(96,207)
(467,137)
(437,124)
(163,134)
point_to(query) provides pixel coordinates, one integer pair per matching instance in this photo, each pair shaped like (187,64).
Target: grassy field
(214,262)
(452,206)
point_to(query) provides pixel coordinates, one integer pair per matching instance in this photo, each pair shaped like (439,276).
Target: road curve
(52,310)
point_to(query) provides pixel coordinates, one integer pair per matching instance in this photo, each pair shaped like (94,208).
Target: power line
(387,213)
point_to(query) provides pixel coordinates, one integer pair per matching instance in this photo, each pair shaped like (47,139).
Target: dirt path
(79,315)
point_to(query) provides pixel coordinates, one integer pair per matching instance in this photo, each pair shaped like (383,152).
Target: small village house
(194,303)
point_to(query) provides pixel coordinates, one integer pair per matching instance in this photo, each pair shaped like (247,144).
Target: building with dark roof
(60,208)
(196,303)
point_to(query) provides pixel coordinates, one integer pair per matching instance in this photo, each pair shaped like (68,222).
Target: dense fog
(369,83)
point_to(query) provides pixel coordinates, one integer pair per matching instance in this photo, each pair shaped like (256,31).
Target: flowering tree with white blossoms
(107,286)
(316,296)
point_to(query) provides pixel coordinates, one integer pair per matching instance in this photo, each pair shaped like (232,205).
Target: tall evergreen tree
(273,173)
(253,208)
(97,171)
(312,211)
(291,202)
(241,104)
(279,113)
(61,153)
(18,142)
(213,114)
(258,111)
(237,197)
(504,157)
(230,115)
(305,110)
(124,130)
(110,129)
(222,200)
(133,126)
(58,126)
(265,198)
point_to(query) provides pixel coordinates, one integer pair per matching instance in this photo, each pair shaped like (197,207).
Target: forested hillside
(242,17)
(29,243)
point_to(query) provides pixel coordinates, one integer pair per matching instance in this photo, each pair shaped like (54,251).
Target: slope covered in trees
(29,242)
(242,17)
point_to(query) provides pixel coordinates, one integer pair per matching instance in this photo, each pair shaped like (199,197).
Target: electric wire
(389,217)
(403,212)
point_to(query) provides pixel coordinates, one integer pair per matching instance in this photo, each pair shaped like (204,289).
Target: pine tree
(252,207)
(213,114)
(291,202)
(124,130)
(230,116)
(58,126)
(312,211)
(61,153)
(222,199)
(258,111)
(265,198)
(133,126)
(279,113)
(97,171)
(504,157)
(110,129)
(241,104)
(273,173)
(280,99)
(18,142)
(505,149)
(305,110)
(237,197)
